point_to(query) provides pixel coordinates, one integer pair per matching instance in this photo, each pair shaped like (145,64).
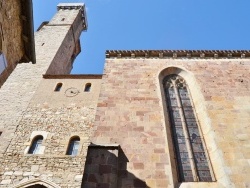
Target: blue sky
(154,24)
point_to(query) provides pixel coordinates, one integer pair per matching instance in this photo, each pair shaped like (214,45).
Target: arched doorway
(37,183)
(37,186)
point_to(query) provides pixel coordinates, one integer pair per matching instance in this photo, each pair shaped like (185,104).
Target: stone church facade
(155,118)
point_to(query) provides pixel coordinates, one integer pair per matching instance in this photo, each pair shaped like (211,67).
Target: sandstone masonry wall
(131,113)
(60,117)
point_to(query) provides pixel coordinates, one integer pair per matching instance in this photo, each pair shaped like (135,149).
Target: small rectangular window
(58,87)
(87,87)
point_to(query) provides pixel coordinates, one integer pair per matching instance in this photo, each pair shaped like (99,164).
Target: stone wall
(64,59)
(58,117)
(10,34)
(15,94)
(131,112)
(101,167)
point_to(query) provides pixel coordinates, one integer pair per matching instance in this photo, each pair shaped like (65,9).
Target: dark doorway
(37,186)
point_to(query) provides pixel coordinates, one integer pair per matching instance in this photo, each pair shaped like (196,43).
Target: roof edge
(73,76)
(178,54)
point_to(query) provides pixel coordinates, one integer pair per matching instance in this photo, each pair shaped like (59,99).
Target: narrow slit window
(73,146)
(58,87)
(36,145)
(87,87)
(190,151)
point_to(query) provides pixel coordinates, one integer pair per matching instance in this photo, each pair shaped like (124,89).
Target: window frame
(87,87)
(186,132)
(36,145)
(73,146)
(58,87)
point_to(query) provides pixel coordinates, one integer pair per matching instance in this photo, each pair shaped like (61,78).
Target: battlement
(64,6)
(75,6)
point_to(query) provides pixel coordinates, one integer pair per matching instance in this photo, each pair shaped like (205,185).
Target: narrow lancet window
(190,152)
(36,145)
(73,146)
(87,87)
(58,87)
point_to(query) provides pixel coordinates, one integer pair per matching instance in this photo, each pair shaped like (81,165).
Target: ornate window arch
(190,150)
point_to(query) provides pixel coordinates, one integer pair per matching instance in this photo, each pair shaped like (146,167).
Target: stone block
(5,182)
(28,173)
(18,173)
(8,173)
(34,168)
(78,177)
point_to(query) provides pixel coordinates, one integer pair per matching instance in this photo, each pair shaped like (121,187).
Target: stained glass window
(190,153)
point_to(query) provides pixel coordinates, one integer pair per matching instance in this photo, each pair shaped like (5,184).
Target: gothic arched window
(73,146)
(190,151)
(36,145)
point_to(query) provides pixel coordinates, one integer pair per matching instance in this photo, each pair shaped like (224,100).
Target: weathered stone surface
(131,105)
(11,41)
(78,178)
(127,108)
(30,106)
(8,173)
(4,182)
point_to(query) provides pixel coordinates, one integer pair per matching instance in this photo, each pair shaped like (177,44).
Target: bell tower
(57,44)
(63,32)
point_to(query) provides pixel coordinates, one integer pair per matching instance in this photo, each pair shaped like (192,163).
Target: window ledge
(198,184)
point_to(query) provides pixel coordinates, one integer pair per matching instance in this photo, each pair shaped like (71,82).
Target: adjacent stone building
(163,118)
(17,43)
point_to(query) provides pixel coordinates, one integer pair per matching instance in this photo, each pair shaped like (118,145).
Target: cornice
(73,76)
(202,54)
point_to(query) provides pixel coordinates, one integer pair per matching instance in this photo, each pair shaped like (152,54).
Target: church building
(153,119)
